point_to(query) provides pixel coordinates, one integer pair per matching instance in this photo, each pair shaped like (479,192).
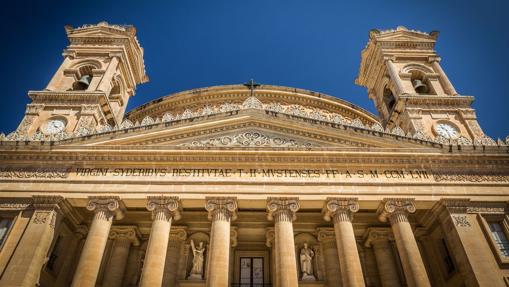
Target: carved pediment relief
(251,138)
(250,129)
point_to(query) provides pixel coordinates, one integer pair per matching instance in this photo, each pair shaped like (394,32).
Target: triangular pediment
(405,36)
(248,129)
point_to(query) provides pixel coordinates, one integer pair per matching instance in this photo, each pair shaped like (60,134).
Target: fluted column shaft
(378,239)
(123,237)
(341,210)
(221,210)
(282,211)
(164,209)
(327,239)
(393,72)
(90,261)
(71,251)
(443,76)
(177,237)
(396,211)
(116,265)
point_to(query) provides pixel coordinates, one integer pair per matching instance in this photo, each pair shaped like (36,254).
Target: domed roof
(218,99)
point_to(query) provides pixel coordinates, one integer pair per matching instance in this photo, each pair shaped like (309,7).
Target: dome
(218,99)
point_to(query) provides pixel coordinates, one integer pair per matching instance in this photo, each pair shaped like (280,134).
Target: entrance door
(251,272)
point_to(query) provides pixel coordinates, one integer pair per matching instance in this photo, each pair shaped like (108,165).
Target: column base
(312,284)
(191,283)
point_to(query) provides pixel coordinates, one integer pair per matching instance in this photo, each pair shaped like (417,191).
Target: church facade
(250,184)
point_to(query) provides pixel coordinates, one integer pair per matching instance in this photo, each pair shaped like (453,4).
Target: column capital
(396,209)
(340,209)
(455,205)
(270,236)
(130,233)
(233,236)
(109,205)
(374,234)
(81,231)
(326,234)
(282,208)
(221,208)
(47,202)
(169,206)
(178,233)
(432,59)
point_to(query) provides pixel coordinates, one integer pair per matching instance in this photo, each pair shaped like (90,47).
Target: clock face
(54,126)
(446,130)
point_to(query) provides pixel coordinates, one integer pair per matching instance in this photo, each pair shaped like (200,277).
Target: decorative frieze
(282,208)
(248,139)
(221,208)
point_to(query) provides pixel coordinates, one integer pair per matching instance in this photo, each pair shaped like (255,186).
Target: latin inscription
(264,174)
(254,173)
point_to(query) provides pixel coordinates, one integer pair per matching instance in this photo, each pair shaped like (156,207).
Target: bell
(84,81)
(420,87)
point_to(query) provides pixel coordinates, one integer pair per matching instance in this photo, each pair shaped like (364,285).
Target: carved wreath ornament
(247,139)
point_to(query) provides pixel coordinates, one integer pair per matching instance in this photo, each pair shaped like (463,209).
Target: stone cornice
(445,168)
(326,234)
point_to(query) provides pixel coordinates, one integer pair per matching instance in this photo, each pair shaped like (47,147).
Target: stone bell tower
(102,65)
(402,73)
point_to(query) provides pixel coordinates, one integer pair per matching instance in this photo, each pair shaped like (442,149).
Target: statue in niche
(306,263)
(198,254)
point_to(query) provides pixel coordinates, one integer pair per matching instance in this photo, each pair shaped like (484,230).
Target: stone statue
(197,270)
(306,263)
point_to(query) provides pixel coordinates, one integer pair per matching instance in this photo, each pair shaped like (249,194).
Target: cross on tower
(252,85)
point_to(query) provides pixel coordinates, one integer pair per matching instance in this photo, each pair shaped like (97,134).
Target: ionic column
(177,236)
(341,211)
(64,278)
(26,263)
(393,72)
(222,210)
(105,208)
(327,239)
(396,210)
(378,239)
(123,237)
(449,88)
(270,238)
(164,209)
(282,210)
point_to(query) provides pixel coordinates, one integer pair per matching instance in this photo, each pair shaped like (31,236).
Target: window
(389,100)
(251,271)
(447,259)
(5,225)
(495,228)
(500,238)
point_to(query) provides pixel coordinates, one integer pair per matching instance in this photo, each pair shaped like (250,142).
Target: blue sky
(312,45)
